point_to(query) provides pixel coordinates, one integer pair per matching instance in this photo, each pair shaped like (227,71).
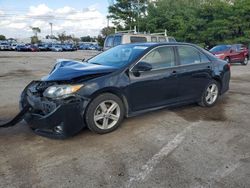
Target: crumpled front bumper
(54,119)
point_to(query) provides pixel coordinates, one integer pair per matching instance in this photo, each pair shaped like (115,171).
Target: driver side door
(156,87)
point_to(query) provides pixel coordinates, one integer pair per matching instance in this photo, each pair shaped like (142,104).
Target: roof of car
(152,44)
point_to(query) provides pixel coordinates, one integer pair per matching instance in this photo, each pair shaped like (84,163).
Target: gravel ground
(182,147)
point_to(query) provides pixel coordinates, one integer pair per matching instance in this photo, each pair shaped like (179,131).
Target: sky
(78,17)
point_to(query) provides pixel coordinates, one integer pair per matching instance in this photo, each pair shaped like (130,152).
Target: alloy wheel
(107,114)
(211,94)
(245,61)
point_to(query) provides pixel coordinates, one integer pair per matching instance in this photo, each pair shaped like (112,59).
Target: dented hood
(69,69)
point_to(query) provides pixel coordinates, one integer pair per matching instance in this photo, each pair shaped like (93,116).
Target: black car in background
(124,81)
(22,48)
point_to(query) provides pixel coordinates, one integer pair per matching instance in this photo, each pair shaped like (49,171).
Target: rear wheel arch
(219,81)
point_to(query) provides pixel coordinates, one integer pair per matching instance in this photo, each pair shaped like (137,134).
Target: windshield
(118,56)
(220,48)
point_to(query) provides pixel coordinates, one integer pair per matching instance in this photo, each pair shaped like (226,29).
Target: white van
(125,38)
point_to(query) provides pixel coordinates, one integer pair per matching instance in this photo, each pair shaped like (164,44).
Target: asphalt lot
(188,146)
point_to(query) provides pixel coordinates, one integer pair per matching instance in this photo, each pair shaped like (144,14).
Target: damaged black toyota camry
(124,81)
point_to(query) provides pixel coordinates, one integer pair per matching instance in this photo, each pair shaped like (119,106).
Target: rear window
(153,39)
(171,39)
(134,39)
(117,40)
(109,41)
(162,39)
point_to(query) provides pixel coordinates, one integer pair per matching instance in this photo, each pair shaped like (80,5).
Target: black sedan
(124,81)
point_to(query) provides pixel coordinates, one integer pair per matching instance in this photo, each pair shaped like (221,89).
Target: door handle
(173,73)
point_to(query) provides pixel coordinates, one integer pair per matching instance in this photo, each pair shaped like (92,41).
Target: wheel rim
(107,114)
(246,60)
(211,94)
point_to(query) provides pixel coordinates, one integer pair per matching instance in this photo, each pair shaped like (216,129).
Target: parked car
(84,47)
(124,81)
(56,48)
(33,48)
(68,47)
(232,53)
(96,47)
(4,46)
(43,47)
(125,38)
(13,46)
(22,48)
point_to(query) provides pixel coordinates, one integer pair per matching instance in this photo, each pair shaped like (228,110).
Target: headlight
(61,91)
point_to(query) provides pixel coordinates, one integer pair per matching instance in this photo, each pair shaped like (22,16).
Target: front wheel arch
(229,60)
(114,91)
(96,101)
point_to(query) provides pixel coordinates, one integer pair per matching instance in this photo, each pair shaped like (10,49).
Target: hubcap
(211,94)
(246,60)
(107,114)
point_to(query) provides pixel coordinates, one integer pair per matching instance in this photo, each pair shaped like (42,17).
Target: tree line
(204,22)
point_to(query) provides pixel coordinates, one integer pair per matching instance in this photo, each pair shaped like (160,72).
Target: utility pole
(51,33)
(138,14)
(138,5)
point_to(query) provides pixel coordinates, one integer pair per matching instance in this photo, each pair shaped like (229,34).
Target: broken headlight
(61,91)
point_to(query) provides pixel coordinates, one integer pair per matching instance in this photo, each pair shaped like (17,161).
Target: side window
(171,39)
(134,39)
(234,48)
(159,58)
(153,39)
(109,41)
(188,55)
(162,39)
(117,40)
(204,58)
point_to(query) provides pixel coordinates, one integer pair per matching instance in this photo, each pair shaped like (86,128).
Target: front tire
(210,95)
(227,59)
(245,62)
(105,113)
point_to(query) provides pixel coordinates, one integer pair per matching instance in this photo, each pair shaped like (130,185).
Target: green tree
(127,12)
(62,37)
(86,39)
(107,31)
(34,40)
(2,37)
(35,30)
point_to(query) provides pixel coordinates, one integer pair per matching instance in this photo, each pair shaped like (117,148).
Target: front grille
(42,86)
(35,98)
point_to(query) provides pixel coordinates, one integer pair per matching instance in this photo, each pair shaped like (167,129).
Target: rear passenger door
(194,72)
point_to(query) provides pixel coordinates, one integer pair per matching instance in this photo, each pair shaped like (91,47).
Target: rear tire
(210,94)
(105,113)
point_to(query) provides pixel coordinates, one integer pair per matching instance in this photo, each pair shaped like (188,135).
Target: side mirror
(83,59)
(142,67)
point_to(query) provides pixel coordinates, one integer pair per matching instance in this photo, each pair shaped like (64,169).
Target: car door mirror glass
(142,66)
